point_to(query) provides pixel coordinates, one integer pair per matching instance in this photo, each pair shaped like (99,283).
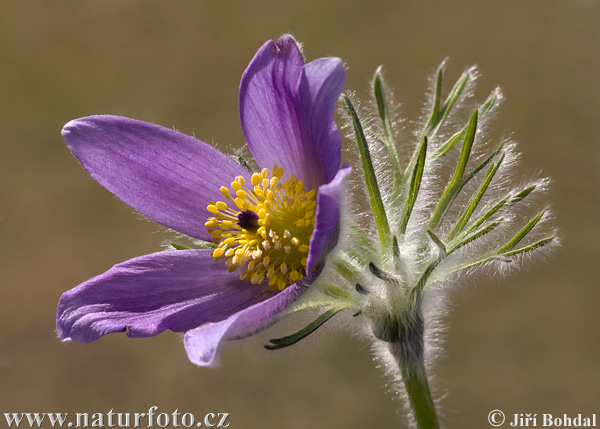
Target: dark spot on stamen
(248,220)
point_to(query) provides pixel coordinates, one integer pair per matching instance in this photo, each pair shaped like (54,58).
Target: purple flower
(277,225)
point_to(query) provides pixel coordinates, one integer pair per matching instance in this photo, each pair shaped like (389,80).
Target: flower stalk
(411,365)
(403,336)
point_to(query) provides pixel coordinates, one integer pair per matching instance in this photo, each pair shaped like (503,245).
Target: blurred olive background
(527,343)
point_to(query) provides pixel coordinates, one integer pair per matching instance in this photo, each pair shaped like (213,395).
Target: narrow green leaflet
(505,203)
(456,183)
(386,124)
(289,340)
(466,215)
(536,245)
(439,113)
(417,166)
(379,214)
(464,239)
(178,246)
(521,234)
(484,109)
(438,242)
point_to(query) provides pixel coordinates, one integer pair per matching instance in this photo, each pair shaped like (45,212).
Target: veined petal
(286,111)
(165,175)
(176,290)
(327,218)
(203,342)
(268,108)
(321,84)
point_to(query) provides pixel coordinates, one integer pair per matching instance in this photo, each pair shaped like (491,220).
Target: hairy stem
(408,352)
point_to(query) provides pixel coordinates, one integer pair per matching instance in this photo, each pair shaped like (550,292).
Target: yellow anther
(240,180)
(264,173)
(226,224)
(240,203)
(296,241)
(228,242)
(241,194)
(303,261)
(221,205)
(230,253)
(225,191)
(211,223)
(233,268)
(236,186)
(294,275)
(300,223)
(281,283)
(255,179)
(212,208)
(299,186)
(218,252)
(279,173)
(303,248)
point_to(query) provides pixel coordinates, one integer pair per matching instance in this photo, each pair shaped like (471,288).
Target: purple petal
(165,175)
(327,218)
(202,343)
(177,290)
(286,111)
(321,84)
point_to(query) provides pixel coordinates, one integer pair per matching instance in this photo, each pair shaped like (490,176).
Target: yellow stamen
(268,231)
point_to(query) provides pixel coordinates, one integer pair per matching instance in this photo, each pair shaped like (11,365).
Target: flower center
(266,227)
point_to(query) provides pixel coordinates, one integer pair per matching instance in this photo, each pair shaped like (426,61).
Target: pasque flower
(273,228)
(441,208)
